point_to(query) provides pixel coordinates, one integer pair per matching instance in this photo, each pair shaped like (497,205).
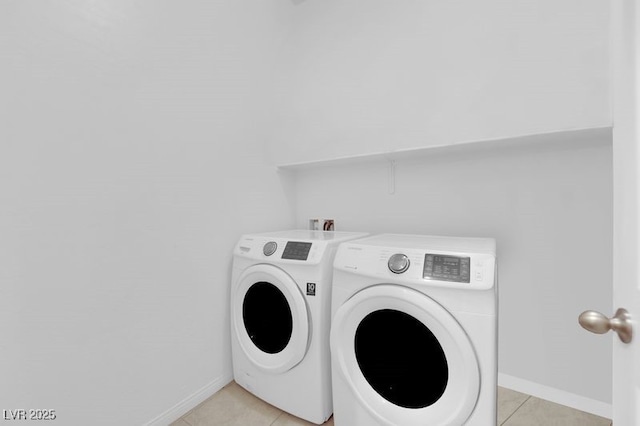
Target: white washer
(280,318)
(414,331)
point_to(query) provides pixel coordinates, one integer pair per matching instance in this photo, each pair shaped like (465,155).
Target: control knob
(398,263)
(269,248)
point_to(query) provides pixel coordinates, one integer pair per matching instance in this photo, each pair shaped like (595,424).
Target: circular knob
(597,323)
(269,248)
(398,263)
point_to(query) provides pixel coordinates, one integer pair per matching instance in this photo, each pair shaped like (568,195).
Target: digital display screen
(296,250)
(447,268)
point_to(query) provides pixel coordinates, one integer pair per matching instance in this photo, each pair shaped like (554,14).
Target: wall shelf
(570,139)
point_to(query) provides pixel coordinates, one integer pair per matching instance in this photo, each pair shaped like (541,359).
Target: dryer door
(270,318)
(405,357)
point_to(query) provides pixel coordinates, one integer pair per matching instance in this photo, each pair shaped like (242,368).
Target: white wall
(547,201)
(131,159)
(365,76)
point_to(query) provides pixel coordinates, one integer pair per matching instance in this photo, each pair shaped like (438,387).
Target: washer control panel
(293,247)
(398,263)
(296,250)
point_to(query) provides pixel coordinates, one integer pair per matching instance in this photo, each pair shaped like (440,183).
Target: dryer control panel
(434,266)
(446,267)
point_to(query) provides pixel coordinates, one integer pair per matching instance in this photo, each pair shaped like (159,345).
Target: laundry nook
(320,212)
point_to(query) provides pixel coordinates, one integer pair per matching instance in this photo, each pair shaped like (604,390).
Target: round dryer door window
(270,318)
(405,357)
(266,316)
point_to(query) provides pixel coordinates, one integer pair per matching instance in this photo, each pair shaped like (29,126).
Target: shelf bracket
(392,177)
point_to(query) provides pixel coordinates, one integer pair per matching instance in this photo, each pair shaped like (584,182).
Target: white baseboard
(558,396)
(548,393)
(190,402)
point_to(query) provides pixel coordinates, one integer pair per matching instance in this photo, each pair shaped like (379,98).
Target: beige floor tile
(536,412)
(233,406)
(180,422)
(508,402)
(287,419)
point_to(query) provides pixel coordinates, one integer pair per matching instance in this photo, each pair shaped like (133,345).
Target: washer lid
(270,319)
(405,357)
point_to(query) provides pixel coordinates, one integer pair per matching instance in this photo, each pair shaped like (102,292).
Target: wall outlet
(321,224)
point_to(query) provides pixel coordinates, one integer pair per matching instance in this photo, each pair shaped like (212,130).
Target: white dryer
(414,331)
(280,318)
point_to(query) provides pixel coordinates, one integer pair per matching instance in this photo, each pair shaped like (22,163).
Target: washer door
(407,360)
(270,318)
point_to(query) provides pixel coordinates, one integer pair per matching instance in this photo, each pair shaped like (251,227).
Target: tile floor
(234,406)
